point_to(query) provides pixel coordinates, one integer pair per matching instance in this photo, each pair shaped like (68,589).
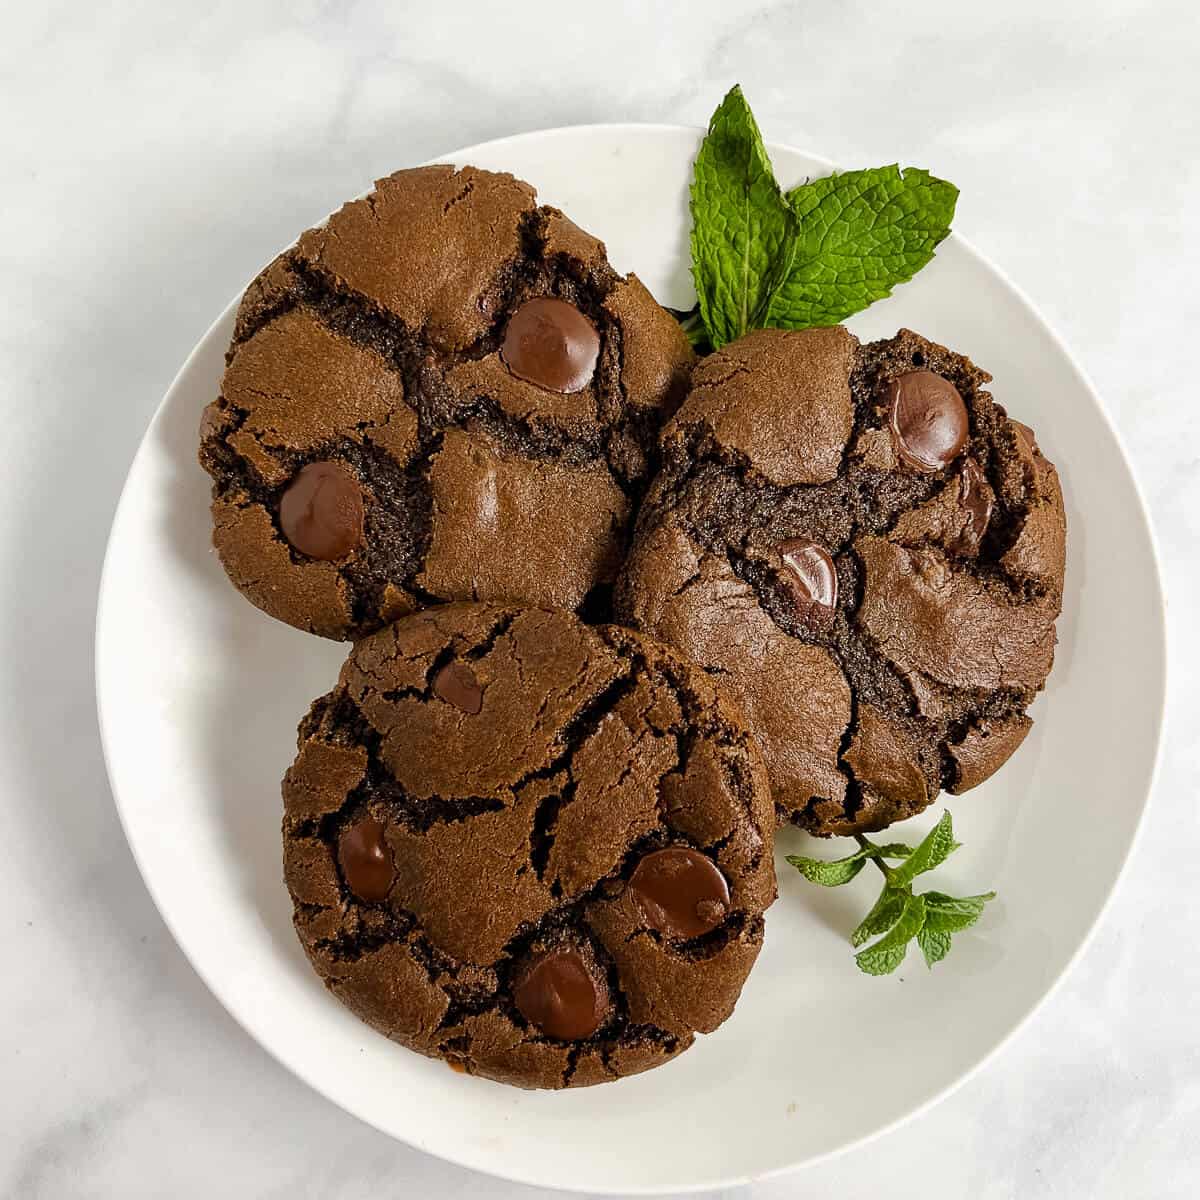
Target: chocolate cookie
(445,392)
(538,849)
(870,554)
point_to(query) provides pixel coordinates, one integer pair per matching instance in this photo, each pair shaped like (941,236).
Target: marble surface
(155,153)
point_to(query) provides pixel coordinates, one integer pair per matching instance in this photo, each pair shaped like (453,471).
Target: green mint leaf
(861,233)
(887,911)
(885,955)
(743,230)
(945,915)
(935,944)
(952,914)
(938,845)
(841,870)
(830,874)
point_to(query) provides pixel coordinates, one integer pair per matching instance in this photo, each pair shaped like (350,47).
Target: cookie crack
(711,379)
(577,732)
(459,197)
(700,721)
(541,833)
(573,1056)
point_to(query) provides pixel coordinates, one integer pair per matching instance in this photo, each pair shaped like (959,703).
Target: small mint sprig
(899,915)
(763,258)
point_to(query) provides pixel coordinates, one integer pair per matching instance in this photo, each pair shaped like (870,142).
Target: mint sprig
(901,916)
(815,256)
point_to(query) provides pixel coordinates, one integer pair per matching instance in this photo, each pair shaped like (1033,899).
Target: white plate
(199,695)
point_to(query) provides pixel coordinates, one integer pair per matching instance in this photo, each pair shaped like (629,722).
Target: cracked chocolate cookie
(538,849)
(445,392)
(869,553)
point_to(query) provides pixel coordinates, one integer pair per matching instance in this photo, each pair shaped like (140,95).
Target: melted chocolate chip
(680,892)
(456,684)
(366,860)
(928,420)
(321,512)
(552,344)
(562,994)
(811,580)
(975,497)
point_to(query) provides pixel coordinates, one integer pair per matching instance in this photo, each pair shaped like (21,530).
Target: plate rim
(1161,644)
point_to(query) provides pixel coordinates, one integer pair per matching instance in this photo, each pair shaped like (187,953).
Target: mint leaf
(830,874)
(938,845)
(935,944)
(945,915)
(887,911)
(841,870)
(744,233)
(952,914)
(885,955)
(861,233)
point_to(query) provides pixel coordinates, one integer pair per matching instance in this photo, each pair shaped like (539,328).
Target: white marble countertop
(155,153)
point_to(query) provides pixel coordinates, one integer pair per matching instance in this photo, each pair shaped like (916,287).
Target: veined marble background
(153,154)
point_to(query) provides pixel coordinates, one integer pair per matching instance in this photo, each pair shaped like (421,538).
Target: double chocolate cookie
(537,849)
(869,554)
(445,392)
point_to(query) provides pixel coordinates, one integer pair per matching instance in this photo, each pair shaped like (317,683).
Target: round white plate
(199,695)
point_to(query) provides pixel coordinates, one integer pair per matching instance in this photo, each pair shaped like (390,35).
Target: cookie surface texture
(443,393)
(537,849)
(868,553)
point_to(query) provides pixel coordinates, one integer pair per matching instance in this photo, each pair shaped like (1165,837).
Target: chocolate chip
(456,684)
(321,513)
(811,580)
(680,892)
(551,343)
(561,993)
(366,860)
(975,497)
(928,420)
